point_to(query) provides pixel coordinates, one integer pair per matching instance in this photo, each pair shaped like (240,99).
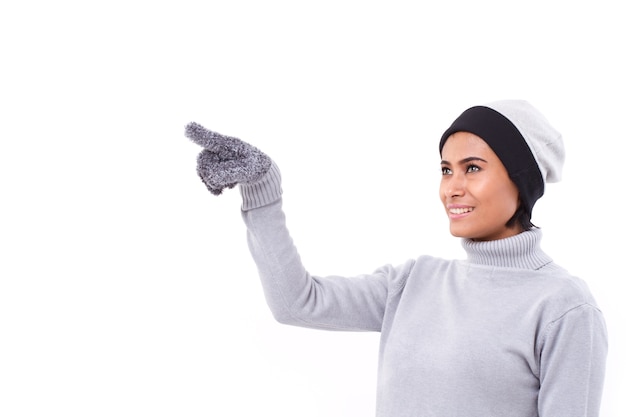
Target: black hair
(521,217)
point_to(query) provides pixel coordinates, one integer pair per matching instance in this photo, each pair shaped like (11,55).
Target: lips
(460,210)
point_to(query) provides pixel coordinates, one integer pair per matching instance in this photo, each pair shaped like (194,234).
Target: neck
(520,251)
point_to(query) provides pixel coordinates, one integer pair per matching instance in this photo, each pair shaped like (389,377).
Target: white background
(126,289)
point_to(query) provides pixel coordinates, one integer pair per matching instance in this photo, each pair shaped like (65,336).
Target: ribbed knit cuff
(262,192)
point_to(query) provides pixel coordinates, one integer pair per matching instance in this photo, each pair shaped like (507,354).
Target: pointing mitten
(226,161)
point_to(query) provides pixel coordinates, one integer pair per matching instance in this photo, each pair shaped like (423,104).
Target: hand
(226,161)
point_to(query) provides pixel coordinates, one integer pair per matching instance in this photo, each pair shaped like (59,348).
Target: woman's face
(476,191)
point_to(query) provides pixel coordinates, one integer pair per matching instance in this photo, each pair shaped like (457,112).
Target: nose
(454,186)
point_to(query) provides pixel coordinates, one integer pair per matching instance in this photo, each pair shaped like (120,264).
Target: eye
(473,168)
(446,171)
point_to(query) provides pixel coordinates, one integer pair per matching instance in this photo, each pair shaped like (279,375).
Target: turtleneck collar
(520,251)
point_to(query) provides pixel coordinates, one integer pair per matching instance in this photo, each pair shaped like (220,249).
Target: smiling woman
(479,196)
(505,332)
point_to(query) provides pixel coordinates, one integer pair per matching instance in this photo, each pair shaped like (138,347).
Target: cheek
(509,197)
(501,196)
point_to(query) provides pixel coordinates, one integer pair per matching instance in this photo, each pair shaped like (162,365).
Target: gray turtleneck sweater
(505,332)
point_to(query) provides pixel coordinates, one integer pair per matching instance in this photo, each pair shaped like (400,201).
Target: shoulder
(561,287)
(565,298)
(434,263)
(422,266)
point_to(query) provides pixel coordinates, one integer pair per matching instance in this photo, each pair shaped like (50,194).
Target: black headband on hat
(508,144)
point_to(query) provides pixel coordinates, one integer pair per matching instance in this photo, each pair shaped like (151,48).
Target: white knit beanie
(529,147)
(544,141)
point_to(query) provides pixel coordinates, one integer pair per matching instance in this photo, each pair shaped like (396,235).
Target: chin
(471,236)
(460,233)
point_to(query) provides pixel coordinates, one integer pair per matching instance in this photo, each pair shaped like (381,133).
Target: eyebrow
(465,160)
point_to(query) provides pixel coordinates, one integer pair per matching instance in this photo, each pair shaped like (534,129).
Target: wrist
(262,192)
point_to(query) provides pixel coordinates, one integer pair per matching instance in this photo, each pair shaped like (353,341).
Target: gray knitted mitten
(226,161)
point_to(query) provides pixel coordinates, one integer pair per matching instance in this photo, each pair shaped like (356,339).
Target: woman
(505,332)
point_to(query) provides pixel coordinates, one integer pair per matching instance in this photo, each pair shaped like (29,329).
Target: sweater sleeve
(295,296)
(573,359)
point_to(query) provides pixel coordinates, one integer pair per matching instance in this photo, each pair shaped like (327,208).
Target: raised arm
(293,295)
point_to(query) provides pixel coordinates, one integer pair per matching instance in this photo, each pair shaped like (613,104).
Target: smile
(461,210)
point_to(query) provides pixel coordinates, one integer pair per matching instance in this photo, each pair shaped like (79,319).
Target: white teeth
(461,210)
